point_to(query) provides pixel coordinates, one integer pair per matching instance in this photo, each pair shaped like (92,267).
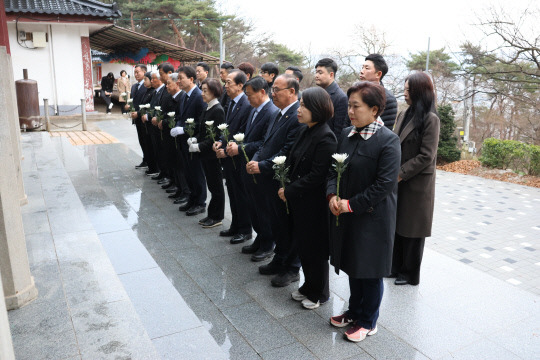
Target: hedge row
(510,154)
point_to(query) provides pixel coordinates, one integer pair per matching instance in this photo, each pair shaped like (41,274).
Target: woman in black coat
(309,160)
(152,166)
(211,92)
(107,85)
(362,244)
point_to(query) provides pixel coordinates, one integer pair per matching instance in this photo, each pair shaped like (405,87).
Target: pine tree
(447,150)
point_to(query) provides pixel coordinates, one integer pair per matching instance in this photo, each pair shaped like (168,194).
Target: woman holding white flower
(309,161)
(123,88)
(210,119)
(361,245)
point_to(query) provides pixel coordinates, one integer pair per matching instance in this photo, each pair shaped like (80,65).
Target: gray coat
(416,191)
(362,244)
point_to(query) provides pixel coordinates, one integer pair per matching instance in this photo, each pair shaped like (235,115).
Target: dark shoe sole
(212,226)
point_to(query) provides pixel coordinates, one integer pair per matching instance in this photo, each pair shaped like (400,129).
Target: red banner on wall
(87,73)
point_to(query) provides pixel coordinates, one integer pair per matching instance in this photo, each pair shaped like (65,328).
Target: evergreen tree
(447,150)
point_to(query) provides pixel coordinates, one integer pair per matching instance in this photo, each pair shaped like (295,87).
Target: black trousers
(148,151)
(316,285)
(157,146)
(407,258)
(193,172)
(365,301)
(214,181)
(238,199)
(107,99)
(259,208)
(281,232)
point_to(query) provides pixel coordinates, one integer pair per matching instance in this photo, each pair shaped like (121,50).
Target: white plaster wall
(67,54)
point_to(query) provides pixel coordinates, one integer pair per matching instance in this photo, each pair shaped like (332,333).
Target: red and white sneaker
(358,333)
(341,320)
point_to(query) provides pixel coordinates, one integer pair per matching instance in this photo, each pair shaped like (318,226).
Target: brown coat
(416,190)
(123,87)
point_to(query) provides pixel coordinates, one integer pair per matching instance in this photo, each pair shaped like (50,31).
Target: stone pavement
(463,309)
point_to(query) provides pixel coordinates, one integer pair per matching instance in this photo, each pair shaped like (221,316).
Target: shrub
(510,154)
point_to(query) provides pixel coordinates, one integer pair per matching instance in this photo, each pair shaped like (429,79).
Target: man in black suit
(191,107)
(223,73)
(264,111)
(373,70)
(137,94)
(269,71)
(278,141)
(236,118)
(155,133)
(325,73)
(201,70)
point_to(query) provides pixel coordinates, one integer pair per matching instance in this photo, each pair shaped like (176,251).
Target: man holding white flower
(236,119)
(279,138)
(263,112)
(138,90)
(190,108)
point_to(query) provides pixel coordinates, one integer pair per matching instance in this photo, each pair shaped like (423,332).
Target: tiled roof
(63,7)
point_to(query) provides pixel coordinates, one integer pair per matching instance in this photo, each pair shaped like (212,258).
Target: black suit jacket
(237,118)
(256,129)
(340,101)
(215,114)
(279,139)
(137,95)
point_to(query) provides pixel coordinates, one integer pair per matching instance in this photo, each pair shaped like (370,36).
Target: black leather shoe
(176,195)
(274,267)
(285,278)
(227,233)
(167,185)
(240,238)
(180,201)
(203,220)
(195,210)
(401,281)
(151,172)
(159,176)
(185,207)
(163,181)
(210,223)
(250,249)
(143,164)
(392,276)
(260,255)
(172,190)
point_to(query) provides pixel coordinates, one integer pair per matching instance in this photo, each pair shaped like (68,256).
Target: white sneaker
(308,304)
(298,296)
(110,106)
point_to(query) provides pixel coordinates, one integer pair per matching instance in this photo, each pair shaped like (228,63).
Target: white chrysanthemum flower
(190,121)
(130,100)
(222,126)
(239,137)
(144,106)
(171,114)
(123,94)
(157,108)
(340,158)
(209,123)
(279,160)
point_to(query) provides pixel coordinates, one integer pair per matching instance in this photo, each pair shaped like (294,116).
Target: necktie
(231,106)
(278,117)
(254,116)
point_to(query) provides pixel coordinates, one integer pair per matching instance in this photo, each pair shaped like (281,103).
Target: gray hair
(155,72)
(174,77)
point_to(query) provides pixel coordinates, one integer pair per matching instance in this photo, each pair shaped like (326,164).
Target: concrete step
(113,208)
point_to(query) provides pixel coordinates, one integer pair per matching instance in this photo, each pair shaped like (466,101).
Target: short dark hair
(270,68)
(142,67)
(166,66)
(296,72)
(214,86)
(122,71)
(320,104)
(292,83)
(227,66)
(203,65)
(239,76)
(247,68)
(379,63)
(257,83)
(148,74)
(371,94)
(188,71)
(329,64)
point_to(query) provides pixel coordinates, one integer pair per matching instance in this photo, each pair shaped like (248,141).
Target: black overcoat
(306,193)
(362,244)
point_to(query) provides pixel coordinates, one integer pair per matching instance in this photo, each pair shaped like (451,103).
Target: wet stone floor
(479,277)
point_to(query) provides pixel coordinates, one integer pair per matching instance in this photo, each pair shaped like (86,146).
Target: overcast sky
(301,24)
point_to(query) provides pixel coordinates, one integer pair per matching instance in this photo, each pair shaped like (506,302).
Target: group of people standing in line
(361,178)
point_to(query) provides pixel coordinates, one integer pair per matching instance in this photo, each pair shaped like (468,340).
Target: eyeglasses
(276,89)
(263,72)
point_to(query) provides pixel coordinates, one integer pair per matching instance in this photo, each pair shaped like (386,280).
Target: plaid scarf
(369,130)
